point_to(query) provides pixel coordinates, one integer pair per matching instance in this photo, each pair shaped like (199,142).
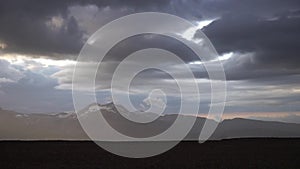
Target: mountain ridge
(65,126)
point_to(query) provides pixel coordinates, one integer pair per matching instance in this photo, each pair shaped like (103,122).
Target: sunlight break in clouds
(2,45)
(23,60)
(190,33)
(223,57)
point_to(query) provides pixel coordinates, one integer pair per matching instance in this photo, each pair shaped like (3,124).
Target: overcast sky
(259,41)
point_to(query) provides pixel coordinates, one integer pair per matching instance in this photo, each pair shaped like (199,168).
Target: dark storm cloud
(24,23)
(256,7)
(138,42)
(183,8)
(273,41)
(268,38)
(29,26)
(267,28)
(24,27)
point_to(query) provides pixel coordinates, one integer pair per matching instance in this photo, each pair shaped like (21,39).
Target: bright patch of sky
(223,57)
(189,33)
(23,60)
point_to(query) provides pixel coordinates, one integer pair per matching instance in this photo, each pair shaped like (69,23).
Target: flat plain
(259,153)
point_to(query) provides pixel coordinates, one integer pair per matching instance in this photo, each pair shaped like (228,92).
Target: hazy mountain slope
(35,126)
(66,126)
(237,128)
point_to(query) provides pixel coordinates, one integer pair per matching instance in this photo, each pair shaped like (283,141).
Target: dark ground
(226,154)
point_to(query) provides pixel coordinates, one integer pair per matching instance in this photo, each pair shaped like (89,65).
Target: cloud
(258,7)
(61,27)
(27,86)
(119,52)
(272,40)
(5,80)
(262,47)
(261,36)
(36,27)
(9,73)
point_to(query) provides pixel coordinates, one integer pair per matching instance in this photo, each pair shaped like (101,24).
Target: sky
(257,41)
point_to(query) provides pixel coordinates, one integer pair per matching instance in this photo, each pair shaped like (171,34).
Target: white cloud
(9,73)
(29,62)
(55,23)
(190,33)
(3,45)
(156,101)
(5,80)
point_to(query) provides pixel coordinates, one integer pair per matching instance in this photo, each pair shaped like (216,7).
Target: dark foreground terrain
(227,154)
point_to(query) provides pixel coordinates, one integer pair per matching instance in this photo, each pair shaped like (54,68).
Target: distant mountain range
(65,126)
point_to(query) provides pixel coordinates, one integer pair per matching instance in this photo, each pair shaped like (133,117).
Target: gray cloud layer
(47,28)
(31,27)
(274,43)
(263,36)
